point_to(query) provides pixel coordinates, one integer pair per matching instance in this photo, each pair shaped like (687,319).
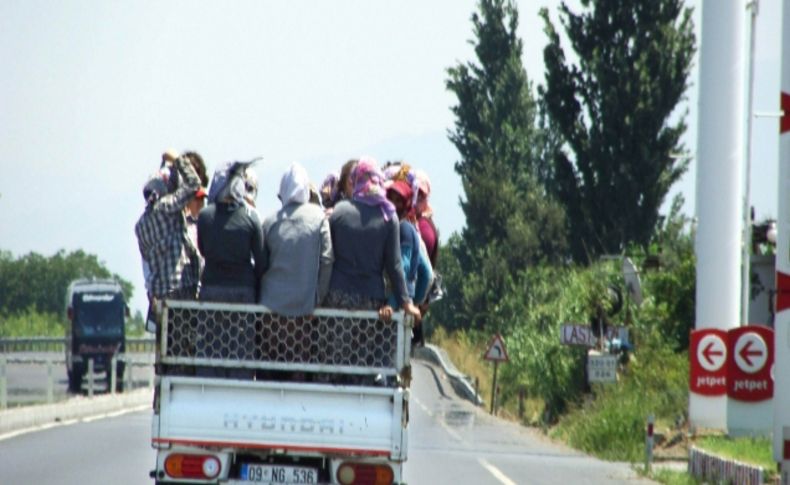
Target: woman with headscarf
(297,255)
(424,214)
(417,268)
(366,241)
(230,237)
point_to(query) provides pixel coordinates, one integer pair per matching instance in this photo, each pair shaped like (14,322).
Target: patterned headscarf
(402,188)
(403,172)
(424,185)
(229,182)
(330,193)
(368,189)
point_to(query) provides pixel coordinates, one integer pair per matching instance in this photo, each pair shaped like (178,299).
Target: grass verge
(672,477)
(609,422)
(753,450)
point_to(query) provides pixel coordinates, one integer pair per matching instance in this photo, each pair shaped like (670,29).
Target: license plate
(278,474)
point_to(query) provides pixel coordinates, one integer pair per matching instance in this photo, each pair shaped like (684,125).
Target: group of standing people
(365,240)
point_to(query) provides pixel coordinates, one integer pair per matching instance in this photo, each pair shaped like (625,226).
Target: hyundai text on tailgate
(245,396)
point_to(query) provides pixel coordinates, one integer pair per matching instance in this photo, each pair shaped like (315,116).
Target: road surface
(450,442)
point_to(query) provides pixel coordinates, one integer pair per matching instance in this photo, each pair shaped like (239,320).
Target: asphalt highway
(450,442)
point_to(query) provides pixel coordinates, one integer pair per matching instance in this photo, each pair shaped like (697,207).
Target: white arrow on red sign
(751,352)
(711,353)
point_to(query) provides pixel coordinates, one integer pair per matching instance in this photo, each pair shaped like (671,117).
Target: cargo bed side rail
(208,334)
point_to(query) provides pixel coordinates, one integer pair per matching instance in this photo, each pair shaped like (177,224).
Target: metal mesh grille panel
(342,339)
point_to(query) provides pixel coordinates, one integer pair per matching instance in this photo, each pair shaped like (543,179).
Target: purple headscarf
(368,189)
(330,193)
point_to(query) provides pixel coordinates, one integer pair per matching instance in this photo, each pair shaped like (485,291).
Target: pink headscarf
(368,189)
(424,185)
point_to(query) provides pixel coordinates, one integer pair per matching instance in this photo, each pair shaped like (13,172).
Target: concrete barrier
(76,408)
(460,382)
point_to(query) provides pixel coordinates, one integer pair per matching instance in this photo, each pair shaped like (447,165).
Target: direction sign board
(751,356)
(601,367)
(581,334)
(708,355)
(496,350)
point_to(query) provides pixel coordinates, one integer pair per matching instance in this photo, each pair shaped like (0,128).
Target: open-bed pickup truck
(245,396)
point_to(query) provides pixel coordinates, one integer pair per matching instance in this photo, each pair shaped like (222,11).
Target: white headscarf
(294,186)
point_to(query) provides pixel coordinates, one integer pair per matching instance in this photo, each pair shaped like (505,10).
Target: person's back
(162,237)
(227,236)
(298,255)
(230,239)
(365,244)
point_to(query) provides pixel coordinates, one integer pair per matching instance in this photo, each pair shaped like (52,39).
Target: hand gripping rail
(253,337)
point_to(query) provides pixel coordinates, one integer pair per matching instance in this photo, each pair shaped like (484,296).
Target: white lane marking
(68,422)
(423,406)
(496,472)
(115,413)
(451,431)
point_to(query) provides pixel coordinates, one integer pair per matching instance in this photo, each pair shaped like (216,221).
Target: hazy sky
(93,91)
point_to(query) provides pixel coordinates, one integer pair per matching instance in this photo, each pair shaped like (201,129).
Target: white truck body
(271,399)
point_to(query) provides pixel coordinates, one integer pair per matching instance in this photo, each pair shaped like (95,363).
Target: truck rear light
(180,465)
(364,474)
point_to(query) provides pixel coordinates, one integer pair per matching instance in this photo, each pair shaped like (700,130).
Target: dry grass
(467,355)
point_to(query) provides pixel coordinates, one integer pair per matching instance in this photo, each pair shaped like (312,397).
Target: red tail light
(364,474)
(180,465)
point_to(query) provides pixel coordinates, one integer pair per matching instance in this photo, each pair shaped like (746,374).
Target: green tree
(671,309)
(614,111)
(510,220)
(39,283)
(498,138)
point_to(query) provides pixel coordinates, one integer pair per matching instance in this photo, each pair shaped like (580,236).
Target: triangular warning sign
(496,350)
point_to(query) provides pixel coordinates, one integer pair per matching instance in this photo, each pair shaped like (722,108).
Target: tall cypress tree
(508,216)
(511,222)
(614,110)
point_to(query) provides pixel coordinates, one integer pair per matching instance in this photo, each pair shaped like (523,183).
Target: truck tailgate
(296,417)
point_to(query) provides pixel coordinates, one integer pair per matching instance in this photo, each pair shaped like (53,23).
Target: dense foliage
(40,282)
(33,290)
(510,221)
(527,262)
(621,150)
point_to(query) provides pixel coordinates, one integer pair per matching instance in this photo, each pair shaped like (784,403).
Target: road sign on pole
(708,354)
(496,350)
(582,334)
(496,353)
(751,350)
(601,367)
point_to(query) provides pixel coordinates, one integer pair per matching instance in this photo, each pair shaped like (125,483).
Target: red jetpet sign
(708,354)
(736,363)
(751,352)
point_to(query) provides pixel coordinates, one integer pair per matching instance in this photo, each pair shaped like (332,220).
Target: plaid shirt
(163,238)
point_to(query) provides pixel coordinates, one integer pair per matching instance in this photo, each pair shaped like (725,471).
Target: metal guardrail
(55,344)
(128,377)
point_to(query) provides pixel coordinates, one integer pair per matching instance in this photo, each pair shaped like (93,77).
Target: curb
(460,382)
(705,466)
(76,408)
